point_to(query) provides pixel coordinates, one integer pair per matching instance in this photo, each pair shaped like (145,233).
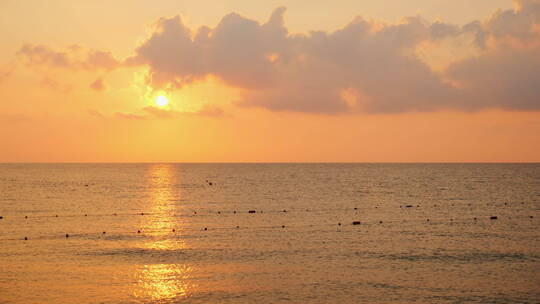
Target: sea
(269,233)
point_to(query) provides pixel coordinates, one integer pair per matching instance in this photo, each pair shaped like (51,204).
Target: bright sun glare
(162,100)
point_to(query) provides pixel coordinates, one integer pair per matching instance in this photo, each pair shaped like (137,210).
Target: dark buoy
(234,211)
(355,208)
(493,218)
(475,219)
(56,215)
(67,235)
(284,210)
(86,215)
(339,224)
(104,232)
(1,217)
(251,211)
(219,212)
(25,238)
(115,214)
(408,206)
(380,222)
(86,185)
(529,216)
(195,212)
(142,213)
(356,223)
(26,216)
(427,220)
(138,231)
(210,183)
(282,226)
(205,228)
(237,227)
(174,230)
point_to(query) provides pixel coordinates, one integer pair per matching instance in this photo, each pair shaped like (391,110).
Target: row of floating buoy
(219,212)
(353,223)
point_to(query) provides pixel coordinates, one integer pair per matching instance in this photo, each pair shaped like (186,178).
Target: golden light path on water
(159,282)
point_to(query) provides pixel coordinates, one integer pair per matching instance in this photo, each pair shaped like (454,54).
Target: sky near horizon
(270,81)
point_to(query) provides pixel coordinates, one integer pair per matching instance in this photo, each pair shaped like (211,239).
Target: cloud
(14,118)
(365,66)
(56,85)
(75,57)
(128,116)
(6,71)
(95,113)
(206,110)
(98,84)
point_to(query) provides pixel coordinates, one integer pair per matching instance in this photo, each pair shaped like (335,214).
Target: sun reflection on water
(158,282)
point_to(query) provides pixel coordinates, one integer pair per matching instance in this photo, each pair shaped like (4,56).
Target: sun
(162,100)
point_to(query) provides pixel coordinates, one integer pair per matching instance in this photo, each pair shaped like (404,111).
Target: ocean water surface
(269,233)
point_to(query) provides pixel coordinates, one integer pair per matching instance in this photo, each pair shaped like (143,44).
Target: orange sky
(425,81)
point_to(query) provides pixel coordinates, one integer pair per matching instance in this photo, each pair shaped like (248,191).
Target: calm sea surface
(160,233)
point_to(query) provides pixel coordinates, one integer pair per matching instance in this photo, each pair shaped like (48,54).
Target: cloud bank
(366,66)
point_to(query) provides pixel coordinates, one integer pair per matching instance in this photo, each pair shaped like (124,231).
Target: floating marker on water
(282,226)
(26,216)
(427,220)
(408,206)
(529,216)
(138,231)
(251,211)
(380,222)
(284,210)
(234,211)
(67,235)
(475,219)
(1,217)
(205,228)
(142,213)
(355,208)
(493,218)
(356,223)
(104,232)
(25,238)
(86,215)
(173,230)
(237,227)
(56,215)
